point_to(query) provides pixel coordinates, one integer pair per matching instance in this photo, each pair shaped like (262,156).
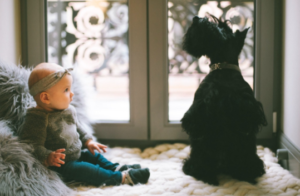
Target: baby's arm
(87,139)
(54,158)
(34,131)
(92,146)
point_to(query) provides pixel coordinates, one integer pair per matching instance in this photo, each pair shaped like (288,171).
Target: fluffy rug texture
(14,93)
(167,178)
(21,174)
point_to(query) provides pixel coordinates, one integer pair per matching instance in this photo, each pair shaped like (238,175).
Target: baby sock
(126,167)
(135,176)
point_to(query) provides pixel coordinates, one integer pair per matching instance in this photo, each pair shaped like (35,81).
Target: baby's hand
(92,145)
(54,158)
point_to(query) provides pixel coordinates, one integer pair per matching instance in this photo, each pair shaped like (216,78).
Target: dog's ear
(242,35)
(240,39)
(223,24)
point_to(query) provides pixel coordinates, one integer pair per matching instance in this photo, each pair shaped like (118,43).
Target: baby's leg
(98,159)
(89,173)
(103,162)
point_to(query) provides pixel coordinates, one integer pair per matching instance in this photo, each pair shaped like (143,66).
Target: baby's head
(50,85)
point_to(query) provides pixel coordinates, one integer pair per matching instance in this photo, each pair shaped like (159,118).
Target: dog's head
(214,38)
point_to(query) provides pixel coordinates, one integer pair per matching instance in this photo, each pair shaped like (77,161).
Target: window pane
(92,36)
(185,71)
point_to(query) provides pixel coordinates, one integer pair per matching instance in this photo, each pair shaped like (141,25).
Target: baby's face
(61,94)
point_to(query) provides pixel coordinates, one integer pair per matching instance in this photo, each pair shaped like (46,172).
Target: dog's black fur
(224,118)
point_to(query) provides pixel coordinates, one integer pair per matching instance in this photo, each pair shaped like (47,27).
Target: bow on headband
(48,81)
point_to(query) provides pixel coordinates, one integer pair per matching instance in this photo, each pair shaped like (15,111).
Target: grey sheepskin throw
(21,174)
(14,93)
(15,97)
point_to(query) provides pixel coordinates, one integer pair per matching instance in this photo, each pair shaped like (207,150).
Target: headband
(48,81)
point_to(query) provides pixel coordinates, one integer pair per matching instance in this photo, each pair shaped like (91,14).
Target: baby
(57,137)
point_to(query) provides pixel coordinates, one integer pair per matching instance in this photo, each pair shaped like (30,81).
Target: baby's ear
(44,97)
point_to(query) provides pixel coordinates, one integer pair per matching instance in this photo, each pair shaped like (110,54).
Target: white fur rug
(165,162)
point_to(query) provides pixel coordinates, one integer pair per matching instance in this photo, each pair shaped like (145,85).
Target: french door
(129,53)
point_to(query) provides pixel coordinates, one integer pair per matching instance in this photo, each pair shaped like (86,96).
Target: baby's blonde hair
(39,72)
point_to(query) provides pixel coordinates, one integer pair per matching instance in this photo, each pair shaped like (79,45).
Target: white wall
(10,31)
(291,74)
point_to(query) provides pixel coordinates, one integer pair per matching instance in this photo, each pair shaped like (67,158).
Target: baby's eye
(67,89)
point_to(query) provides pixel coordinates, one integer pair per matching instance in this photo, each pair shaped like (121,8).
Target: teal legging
(91,169)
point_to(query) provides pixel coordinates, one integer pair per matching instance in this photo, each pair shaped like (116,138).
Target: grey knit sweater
(49,131)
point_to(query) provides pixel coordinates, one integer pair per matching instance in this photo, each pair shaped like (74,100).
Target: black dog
(224,118)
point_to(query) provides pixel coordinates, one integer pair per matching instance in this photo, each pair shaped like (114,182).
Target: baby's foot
(126,167)
(135,176)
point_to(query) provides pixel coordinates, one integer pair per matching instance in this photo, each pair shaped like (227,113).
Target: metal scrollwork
(92,35)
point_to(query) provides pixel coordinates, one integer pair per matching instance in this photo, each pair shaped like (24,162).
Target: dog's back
(224,101)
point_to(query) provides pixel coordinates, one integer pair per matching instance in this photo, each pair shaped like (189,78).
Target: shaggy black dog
(225,116)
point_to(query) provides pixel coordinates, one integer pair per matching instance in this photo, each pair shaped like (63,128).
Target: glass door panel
(185,71)
(92,36)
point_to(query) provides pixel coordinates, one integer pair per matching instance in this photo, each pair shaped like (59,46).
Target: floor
(167,178)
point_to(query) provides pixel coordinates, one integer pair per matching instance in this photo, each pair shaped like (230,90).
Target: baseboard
(142,144)
(293,162)
(270,143)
